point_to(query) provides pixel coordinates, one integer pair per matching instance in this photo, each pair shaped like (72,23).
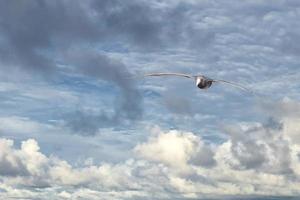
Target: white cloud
(175,149)
(257,159)
(14,124)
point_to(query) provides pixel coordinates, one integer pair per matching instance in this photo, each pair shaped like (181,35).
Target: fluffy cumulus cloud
(256,159)
(177,150)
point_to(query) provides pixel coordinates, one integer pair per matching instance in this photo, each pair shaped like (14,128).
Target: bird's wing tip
(235,85)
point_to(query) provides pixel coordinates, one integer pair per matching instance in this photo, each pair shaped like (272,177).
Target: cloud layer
(256,159)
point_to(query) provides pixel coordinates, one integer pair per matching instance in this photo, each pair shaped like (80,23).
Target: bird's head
(203,82)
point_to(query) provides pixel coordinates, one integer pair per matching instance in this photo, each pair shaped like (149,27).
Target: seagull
(201,81)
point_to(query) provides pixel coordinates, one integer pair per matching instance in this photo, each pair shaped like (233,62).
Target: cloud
(29,29)
(10,164)
(38,32)
(128,103)
(177,150)
(260,147)
(170,164)
(50,29)
(258,159)
(99,66)
(22,126)
(116,38)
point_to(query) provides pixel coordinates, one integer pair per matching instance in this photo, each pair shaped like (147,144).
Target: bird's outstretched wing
(169,74)
(234,85)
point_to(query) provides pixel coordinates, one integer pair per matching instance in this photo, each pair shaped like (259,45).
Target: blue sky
(77,121)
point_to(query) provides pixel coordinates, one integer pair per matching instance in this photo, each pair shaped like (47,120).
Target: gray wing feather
(234,85)
(170,74)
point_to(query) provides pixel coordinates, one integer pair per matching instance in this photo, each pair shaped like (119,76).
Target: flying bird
(201,81)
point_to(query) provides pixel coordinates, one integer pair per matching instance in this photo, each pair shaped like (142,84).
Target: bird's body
(201,81)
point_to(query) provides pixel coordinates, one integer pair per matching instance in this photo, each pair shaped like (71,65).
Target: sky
(78,121)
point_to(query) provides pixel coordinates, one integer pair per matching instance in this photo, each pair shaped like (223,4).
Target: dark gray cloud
(34,37)
(12,166)
(84,123)
(29,31)
(32,32)
(128,103)
(261,147)
(204,158)
(133,21)
(101,67)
